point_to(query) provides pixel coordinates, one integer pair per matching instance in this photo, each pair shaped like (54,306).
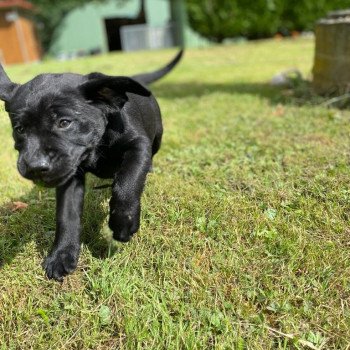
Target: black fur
(65,125)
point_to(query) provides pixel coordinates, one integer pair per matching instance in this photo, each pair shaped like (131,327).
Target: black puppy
(65,125)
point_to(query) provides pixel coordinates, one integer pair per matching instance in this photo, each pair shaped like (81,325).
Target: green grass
(245,237)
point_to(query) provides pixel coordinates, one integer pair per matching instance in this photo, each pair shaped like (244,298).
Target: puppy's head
(58,119)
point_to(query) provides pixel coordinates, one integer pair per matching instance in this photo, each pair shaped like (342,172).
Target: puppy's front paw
(61,262)
(124,224)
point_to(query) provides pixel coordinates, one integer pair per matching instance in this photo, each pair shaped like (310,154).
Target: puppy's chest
(107,161)
(107,158)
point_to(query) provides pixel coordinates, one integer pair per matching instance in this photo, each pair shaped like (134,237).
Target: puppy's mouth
(53,181)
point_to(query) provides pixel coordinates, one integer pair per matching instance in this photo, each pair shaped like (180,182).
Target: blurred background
(36,29)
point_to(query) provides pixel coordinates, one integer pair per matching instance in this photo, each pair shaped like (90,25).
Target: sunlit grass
(244,242)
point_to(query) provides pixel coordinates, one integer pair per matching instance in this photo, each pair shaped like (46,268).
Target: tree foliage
(220,19)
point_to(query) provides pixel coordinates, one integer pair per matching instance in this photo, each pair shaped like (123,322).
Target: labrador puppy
(65,125)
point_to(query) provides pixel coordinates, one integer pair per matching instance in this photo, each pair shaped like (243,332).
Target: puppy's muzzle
(38,168)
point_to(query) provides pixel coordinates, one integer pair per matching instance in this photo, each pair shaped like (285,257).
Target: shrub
(220,19)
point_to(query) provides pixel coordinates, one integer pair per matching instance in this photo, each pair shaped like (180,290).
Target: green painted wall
(84,28)
(157,12)
(185,35)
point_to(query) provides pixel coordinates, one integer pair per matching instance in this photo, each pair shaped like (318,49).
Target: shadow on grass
(36,223)
(299,93)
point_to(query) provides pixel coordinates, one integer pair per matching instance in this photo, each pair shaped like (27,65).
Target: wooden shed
(18,41)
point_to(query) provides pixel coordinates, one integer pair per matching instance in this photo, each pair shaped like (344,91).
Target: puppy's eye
(64,123)
(19,129)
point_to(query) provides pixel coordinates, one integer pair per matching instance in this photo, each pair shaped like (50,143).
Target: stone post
(331,71)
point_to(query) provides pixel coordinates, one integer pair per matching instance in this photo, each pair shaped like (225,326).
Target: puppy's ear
(6,85)
(111,90)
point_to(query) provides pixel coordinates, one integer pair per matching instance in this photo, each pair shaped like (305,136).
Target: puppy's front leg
(64,255)
(128,184)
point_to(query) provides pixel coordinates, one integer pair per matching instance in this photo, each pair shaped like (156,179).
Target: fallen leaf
(279,111)
(19,206)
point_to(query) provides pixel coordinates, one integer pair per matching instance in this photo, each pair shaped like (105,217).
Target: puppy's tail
(148,78)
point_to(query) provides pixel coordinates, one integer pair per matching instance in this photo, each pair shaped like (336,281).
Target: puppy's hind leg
(155,146)
(157,140)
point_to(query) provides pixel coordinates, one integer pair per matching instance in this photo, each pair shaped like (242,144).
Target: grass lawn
(245,237)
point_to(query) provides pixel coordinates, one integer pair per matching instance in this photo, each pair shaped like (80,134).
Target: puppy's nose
(39,167)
